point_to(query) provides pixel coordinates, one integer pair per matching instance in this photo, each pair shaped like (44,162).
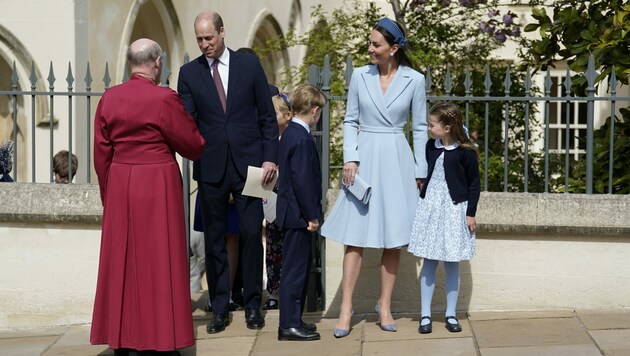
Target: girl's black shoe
(454,328)
(425,329)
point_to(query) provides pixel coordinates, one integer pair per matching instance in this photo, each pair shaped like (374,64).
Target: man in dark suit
(298,210)
(228,96)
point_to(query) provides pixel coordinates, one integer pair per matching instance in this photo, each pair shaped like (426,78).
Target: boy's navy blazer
(300,180)
(248,128)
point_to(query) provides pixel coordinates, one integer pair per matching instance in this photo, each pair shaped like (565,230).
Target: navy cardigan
(461,169)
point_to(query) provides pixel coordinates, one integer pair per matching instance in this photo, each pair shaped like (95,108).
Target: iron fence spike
(51,77)
(106,78)
(70,77)
(33,77)
(488,81)
(507,83)
(568,82)
(612,80)
(88,78)
(448,85)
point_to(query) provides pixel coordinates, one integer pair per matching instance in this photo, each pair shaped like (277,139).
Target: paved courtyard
(540,333)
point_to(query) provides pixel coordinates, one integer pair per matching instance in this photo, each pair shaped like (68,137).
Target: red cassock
(143,293)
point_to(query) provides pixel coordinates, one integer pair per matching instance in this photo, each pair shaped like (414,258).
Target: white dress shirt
(224,68)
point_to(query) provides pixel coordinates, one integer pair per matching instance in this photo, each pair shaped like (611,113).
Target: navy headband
(391,27)
(285,98)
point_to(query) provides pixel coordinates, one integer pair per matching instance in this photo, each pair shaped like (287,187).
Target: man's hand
(269,170)
(313,225)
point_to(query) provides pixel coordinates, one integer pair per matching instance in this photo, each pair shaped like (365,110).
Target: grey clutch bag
(360,189)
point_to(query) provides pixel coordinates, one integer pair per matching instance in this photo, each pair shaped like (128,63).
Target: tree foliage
(577,29)
(456,33)
(341,34)
(449,38)
(338,35)
(601,159)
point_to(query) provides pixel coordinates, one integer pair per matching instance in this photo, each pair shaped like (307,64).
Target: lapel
(399,83)
(206,76)
(373,89)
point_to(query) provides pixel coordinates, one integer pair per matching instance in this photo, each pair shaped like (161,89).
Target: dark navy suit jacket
(248,128)
(300,180)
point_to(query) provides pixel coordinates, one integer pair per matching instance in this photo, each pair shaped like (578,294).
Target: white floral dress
(439,230)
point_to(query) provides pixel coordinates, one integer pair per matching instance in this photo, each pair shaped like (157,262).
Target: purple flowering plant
(445,31)
(500,27)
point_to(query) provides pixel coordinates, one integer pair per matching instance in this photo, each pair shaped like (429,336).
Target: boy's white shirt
(302,123)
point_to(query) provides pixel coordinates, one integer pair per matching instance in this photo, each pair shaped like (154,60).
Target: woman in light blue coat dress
(380,99)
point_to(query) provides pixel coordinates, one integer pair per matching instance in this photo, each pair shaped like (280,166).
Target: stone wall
(534,251)
(50,238)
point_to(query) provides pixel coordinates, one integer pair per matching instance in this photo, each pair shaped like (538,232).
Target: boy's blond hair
(306,97)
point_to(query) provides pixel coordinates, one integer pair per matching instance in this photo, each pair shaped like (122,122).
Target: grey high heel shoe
(339,333)
(391,327)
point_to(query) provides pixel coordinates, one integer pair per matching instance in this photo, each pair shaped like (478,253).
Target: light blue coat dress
(373,136)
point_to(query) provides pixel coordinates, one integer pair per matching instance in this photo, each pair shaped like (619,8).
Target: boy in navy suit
(298,210)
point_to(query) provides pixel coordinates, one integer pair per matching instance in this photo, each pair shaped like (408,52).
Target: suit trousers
(296,268)
(214,209)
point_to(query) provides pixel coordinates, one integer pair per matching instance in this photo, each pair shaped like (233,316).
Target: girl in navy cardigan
(444,226)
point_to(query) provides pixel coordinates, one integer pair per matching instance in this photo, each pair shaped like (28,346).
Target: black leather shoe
(454,328)
(297,334)
(233,306)
(308,326)
(271,304)
(218,323)
(253,319)
(425,329)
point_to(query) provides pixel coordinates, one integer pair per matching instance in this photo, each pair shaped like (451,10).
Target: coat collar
(439,145)
(399,83)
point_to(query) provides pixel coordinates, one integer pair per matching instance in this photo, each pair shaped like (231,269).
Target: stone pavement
(557,333)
